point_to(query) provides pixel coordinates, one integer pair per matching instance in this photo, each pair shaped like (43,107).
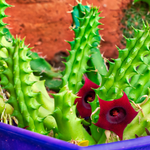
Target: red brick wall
(45,23)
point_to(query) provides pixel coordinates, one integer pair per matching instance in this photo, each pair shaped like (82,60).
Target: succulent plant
(81,47)
(122,70)
(96,64)
(141,121)
(41,67)
(114,105)
(27,94)
(111,90)
(69,126)
(134,15)
(76,66)
(147,1)
(137,49)
(139,82)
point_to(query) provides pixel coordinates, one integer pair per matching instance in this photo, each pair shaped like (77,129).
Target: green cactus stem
(140,83)
(80,52)
(40,67)
(40,105)
(78,12)
(123,68)
(141,121)
(69,125)
(17,79)
(3,6)
(8,35)
(96,63)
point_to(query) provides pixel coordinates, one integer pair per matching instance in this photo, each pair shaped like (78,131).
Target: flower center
(90,96)
(116,115)
(114,112)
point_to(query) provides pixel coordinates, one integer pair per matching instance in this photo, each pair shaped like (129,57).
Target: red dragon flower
(86,94)
(115,115)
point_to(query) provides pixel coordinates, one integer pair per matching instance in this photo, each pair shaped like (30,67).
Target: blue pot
(14,138)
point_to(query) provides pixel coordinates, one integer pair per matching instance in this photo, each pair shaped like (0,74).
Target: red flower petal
(116,115)
(85,94)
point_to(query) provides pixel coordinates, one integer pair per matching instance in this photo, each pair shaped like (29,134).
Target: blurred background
(45,24)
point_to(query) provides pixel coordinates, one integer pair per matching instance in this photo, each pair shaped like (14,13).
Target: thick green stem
(81,47)
(69,125)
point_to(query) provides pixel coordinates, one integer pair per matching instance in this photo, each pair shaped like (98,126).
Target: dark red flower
(116,115)
(86,94)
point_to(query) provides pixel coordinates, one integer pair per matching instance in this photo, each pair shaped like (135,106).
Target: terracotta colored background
(45,23)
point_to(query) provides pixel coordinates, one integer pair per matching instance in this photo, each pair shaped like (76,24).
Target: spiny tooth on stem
(79,1)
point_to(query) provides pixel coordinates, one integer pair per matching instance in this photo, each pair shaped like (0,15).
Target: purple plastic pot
(14,138)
